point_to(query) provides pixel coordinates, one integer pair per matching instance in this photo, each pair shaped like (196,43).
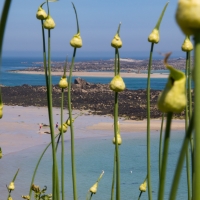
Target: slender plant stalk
(186,127)
(37,165)
(165,156)
(148,126)
(62,149)
(91,195)
(181,159)
(72,129)
(196,177)
(140,195)
(113,178)
(3,21)
(160,144)
(55,184)
(116,147)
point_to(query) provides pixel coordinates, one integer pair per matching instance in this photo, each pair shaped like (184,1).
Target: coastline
(97,74)
(20,127)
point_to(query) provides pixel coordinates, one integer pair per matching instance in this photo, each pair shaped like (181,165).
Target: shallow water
(92,156)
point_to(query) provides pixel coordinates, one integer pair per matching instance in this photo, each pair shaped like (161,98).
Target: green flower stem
(3,21)
(196,177)
(160,144)
(55,169)
(116,57)
(165,155)
(72,129)
(140,195)
(181,159)
(118,66)
(45,66)
(148,126)
(189,86)
(76,18)
(116,147)
(113,178)
(37,165)
(186,127)
(91,196)
(62,149)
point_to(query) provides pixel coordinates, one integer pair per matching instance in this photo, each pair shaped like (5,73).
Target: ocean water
(13,79)
(92,156)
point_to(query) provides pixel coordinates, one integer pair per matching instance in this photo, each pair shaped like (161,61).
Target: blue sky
(98,24)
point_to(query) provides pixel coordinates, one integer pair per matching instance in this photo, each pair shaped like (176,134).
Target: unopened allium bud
(143,186)
(119,139)
(93,189)
(11,186)
(64,127)
(1,153)
(1,113)
(173,98)
(49,23)
(116,42)
(63,82)
(35,188)
(41,14)
(76,41)
(117,84)
(26,197)
(188,16)
(68,122)
(187,45)
(154,37)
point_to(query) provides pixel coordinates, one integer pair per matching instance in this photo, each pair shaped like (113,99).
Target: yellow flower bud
(117,84)
(10,198)
(41,14)
(1,154)
(143,186)
(76,41)
(49,23)
(173,98)
(116,42)
(1,113)
(63,82)
(11,186)
(188,16)
(187,45)
(26,197)
(68,122)
(35,188)
(64,128)
(154,36)
(119,139)
(93,189)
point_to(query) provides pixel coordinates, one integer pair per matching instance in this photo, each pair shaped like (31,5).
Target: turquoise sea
(13,79)
(92,154)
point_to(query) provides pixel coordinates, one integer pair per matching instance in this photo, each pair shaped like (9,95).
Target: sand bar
(20,127)
(99,74)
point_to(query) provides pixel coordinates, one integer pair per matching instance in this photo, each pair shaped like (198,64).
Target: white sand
(100,74)
(19,127)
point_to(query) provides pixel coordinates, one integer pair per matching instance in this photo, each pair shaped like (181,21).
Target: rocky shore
(98,99)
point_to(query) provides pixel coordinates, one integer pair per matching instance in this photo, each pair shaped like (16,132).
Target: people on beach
(40,126)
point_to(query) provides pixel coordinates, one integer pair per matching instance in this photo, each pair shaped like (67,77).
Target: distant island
(127,65)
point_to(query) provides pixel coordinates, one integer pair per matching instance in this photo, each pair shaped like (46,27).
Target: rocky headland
(98,99)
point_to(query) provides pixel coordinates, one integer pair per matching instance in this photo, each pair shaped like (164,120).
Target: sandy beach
(22,142)
(20,127)
(99,74)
